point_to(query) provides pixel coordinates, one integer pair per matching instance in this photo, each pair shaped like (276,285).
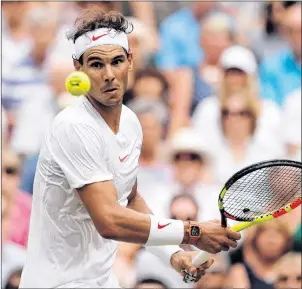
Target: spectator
(151,84)
(280,74)
(28,76)
(180,50)
(184,207)
(216,35)
(261,251)
(13,254)
(140,43)
(239,81)
(239,145)
(19,202)
(38,112)
(192,173)
(239,72)
(292,125)
(154,173)
(179,34)
(288,272)
(217,275)
(15,38)
(266,39)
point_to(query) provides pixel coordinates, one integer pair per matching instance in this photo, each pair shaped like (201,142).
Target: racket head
(262,191)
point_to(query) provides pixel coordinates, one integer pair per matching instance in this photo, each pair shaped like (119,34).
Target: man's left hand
(183,261)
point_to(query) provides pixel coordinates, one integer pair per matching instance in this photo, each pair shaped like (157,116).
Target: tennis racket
(256,194)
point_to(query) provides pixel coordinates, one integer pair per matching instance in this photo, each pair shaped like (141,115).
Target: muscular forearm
(138,204)
(132,224)
(126,225)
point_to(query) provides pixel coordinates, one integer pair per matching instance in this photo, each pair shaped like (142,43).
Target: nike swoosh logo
(96,38)
(162,226)
(122,159)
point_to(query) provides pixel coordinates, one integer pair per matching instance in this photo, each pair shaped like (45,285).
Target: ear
(77,64)
(130,59)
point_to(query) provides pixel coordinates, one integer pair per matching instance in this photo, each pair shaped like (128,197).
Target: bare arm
(115,222)
(137,203)
(112,220)
(144,12)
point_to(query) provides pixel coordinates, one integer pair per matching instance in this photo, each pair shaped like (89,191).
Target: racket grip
(200,258)
(197,261)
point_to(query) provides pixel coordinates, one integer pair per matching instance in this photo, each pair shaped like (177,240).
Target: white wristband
(165,232)
(164,252)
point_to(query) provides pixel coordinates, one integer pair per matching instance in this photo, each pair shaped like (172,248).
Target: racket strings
(262,191)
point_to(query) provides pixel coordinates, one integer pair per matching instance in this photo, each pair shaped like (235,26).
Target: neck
(111,114)
(38,57)
(148,156)
(210,61)
(260,266)
(15,30)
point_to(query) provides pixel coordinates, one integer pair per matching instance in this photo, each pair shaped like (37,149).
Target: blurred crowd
(216,87)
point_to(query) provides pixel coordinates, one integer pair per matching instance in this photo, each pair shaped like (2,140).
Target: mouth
(110,90)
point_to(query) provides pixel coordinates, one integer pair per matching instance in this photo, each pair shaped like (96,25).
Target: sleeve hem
(93,179)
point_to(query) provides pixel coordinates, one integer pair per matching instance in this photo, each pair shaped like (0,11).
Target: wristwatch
(193,233)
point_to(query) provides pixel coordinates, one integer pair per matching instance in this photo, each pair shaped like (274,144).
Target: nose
(109,75)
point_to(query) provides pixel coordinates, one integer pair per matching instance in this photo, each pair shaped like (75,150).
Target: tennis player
(85,191)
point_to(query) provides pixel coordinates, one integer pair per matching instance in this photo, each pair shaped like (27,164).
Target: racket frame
(246,171)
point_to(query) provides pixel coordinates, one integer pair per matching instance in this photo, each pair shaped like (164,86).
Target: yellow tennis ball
(77,83)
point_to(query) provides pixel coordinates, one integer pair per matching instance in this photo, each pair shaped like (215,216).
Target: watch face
(195,231)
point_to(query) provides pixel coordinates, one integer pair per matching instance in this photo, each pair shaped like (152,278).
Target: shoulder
(74,115)
(75,122)
(276,60)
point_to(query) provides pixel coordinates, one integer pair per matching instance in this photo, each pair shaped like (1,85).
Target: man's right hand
(214,238)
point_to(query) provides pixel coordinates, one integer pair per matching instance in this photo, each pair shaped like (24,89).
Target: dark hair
(287,4)
(93,18)
(151,281)
(154,73)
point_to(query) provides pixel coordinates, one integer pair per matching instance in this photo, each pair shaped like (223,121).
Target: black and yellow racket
(256,194)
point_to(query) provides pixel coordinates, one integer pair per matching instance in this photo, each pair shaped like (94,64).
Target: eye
(117,61)
(97,64)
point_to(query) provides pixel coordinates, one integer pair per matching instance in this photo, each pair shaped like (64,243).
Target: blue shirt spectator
(279,76)
(179,45)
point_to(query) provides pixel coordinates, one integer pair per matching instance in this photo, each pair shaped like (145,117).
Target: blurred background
(216,86)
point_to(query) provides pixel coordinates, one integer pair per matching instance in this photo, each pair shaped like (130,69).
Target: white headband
(101,36)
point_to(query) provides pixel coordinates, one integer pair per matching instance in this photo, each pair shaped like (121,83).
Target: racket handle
(200,258)
(197,261)
(203,257)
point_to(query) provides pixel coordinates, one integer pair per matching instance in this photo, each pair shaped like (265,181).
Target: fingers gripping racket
(256,194)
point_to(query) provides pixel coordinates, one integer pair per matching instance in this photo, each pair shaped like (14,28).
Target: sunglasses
(241,113)
(187,157)
(284,278)
(11,170)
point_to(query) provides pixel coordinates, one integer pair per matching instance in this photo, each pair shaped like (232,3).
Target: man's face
(107,67)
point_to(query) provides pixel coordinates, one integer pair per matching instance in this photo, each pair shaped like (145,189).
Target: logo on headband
(94,38)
